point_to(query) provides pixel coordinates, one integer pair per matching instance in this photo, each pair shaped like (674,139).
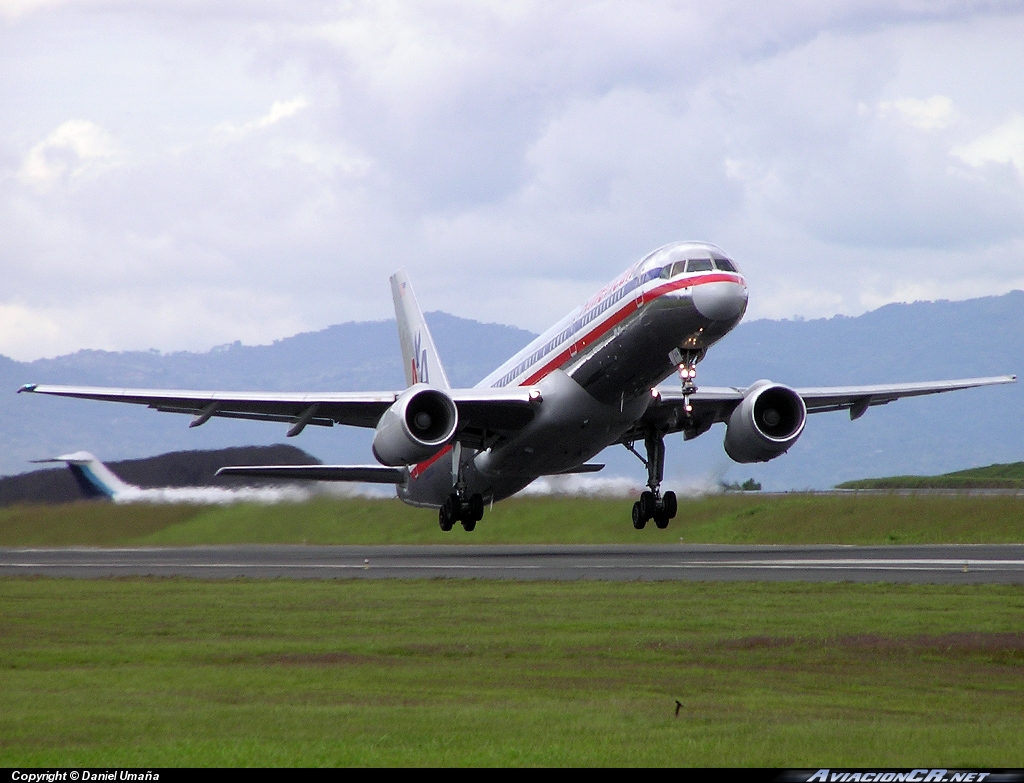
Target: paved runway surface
(1000,564)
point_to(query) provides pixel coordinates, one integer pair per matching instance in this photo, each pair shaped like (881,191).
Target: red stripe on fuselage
(419,467)
(599,331)
(621,314)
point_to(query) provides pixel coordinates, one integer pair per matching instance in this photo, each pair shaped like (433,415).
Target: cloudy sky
(178,174)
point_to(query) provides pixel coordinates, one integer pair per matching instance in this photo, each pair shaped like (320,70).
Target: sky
(177,175)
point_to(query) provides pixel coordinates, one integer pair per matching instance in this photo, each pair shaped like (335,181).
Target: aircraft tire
(445,517)
(469,525)
(639,520)
(671,506)
(648,505)
(661,520)
(476,508)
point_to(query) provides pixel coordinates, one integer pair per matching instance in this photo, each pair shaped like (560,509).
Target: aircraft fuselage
(595,369)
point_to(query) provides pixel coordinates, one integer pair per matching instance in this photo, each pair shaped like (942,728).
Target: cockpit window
(678,268)
(698,265)
(725,265)
(666,272)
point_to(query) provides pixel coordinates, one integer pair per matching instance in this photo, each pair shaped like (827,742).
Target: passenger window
(725,264)
(698,265)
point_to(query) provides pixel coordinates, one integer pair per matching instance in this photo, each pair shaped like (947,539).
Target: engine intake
(416,427)
(765,424)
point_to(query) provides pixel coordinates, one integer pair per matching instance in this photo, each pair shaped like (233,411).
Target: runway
(950,564)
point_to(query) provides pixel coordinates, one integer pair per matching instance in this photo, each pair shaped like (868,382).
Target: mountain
(899,342)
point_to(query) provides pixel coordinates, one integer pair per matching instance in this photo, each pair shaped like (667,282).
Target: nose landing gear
(652,504)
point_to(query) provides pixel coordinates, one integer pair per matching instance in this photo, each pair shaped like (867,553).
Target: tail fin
(419,355)
(94,478)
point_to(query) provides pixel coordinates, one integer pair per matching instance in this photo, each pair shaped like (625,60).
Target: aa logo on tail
(419,362)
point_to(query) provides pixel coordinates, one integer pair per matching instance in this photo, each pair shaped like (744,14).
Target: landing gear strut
(460,506)
(686,365)
(652,504)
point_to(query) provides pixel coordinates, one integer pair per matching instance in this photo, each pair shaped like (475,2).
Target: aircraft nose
(720,301)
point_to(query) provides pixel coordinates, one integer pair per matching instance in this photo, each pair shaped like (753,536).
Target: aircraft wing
(481,411)
(715,404)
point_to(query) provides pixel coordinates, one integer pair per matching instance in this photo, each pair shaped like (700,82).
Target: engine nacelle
(416,427)
(765,424)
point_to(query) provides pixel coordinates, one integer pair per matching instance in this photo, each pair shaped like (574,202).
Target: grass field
(151,672)
(739,518)
(183,672)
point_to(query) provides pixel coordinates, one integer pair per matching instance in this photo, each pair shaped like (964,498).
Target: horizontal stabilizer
(371,474)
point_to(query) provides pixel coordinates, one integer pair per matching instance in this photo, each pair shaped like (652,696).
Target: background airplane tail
(94,478)
(419,355)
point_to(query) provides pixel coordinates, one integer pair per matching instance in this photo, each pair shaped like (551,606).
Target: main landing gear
(652,504)
(459,506)
(468,511)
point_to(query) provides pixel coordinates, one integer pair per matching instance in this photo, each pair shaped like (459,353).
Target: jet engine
(416,427)
(765,424)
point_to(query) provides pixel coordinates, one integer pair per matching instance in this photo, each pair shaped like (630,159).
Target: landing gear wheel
(445,517)
(648,505)
(639,520)
(476,508)
(469,525)
(670,505)
(661,520)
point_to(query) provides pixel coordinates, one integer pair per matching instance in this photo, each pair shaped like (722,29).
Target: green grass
(999,476)
(747,518)
(147,672)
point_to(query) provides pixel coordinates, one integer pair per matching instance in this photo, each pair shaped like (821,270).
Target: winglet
(29,387)
(419,355)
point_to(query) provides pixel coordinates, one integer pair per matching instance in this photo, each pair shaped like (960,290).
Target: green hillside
(1000,476)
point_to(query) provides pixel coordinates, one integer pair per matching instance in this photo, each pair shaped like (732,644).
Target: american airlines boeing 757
(590,381)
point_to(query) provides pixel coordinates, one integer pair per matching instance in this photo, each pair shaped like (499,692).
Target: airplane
(589,382)
(96,480)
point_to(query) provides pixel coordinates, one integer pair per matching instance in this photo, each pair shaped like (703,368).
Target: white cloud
(76,150)
(279,110)
(1004,144)
(512,157)
(930,114)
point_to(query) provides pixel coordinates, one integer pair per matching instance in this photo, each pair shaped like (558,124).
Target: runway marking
(849,564)
(852,563)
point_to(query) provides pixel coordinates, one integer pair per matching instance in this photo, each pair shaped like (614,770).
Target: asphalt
(945,564)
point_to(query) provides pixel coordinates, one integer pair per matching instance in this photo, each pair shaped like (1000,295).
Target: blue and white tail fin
(419,355)
(95,479)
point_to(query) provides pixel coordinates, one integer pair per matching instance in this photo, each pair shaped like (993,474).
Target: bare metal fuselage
(594,371)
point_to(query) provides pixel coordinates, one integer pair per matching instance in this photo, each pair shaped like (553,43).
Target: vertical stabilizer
(419,355)
(93,477)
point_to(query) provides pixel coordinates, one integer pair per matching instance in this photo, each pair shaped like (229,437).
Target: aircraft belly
(633,357)
(570,428)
